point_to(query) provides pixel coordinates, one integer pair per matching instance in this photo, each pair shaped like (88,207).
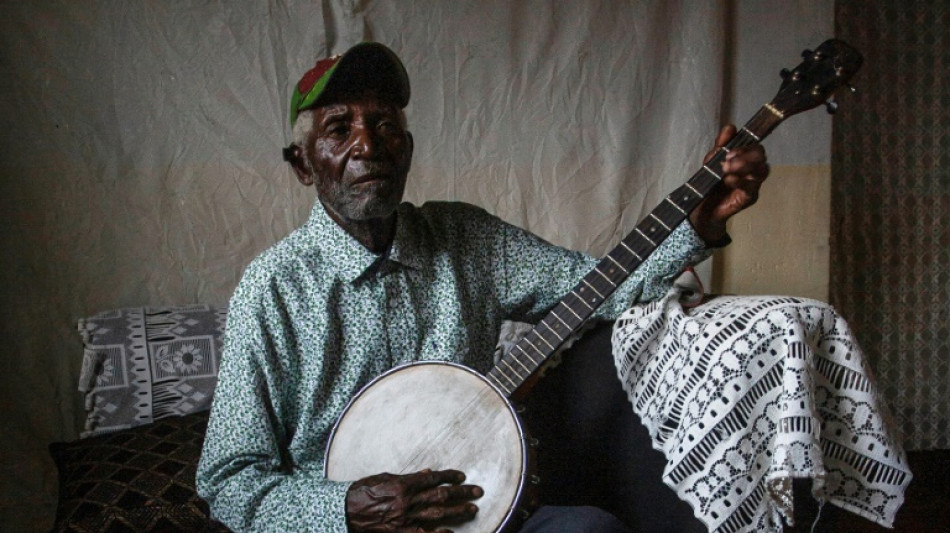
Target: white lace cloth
(742,394)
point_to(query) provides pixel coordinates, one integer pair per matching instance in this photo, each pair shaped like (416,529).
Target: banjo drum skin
(436,415)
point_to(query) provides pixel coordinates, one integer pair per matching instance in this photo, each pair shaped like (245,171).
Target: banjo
(442,415)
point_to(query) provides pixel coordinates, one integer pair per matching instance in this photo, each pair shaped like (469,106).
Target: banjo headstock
(812,83)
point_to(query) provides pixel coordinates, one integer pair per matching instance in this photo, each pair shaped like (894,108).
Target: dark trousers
(562,519)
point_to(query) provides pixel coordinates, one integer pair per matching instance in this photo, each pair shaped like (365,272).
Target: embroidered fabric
(742,394)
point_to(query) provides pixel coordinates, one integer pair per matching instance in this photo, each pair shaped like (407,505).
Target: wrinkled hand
(744,170)
(411,503)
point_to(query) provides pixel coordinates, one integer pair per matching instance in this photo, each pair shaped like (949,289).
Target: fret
(533,345)
(513,371)
(554,331)
(513,384)
(599,295)
(629,249)
(669,217)
(587,305)
(495,382)
(713,172)
(754,136)
(559,319)
(612,284)
(614,261)
(545,341)
(660,221)
(678,208)
(645,237)
(706,183)
(526,354)
(640,246)
(579,319)
(694,190)
(526,369)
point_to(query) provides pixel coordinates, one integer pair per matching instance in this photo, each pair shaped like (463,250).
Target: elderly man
(369,283)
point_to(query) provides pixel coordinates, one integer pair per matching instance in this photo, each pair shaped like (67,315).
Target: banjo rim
(519,494)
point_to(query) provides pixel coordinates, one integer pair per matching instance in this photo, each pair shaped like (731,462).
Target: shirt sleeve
(244,472)
(535,274)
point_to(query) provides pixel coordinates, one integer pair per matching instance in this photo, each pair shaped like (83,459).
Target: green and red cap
(366,67)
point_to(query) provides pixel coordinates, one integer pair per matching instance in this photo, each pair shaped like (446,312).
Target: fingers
(746,163)
(748,160)
(743,171)
(442,489)
(450,514)
(425,479)
(445,494)
(725,134)
(441,497)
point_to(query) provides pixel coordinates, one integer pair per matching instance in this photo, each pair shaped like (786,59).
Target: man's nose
(365,142)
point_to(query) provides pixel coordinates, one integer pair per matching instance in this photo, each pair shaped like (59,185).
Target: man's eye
(337,130)
(389,127)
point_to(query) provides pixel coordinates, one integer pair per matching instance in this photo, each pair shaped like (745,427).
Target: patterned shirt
(318,316)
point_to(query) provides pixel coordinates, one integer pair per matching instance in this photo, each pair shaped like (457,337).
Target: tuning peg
(806,52)
(831,106)
(785,73)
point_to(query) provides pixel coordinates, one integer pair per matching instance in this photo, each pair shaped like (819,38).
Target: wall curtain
(890,262)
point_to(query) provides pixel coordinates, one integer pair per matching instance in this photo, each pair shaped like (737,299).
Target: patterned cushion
(145,363)
(137,480)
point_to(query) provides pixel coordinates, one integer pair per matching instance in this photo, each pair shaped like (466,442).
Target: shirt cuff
(726,240)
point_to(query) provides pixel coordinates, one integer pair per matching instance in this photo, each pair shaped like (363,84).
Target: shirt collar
(409,246)
(351,260)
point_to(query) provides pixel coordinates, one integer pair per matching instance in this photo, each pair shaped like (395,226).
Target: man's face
(359,155)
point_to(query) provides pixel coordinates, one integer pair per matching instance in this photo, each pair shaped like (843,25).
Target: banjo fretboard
(573,311)
(815,80)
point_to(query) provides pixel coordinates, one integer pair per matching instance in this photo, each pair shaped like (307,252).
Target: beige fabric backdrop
(140,143)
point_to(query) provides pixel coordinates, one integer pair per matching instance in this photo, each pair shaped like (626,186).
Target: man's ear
(293,154)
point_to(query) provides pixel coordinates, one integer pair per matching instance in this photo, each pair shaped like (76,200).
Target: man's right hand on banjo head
(410,503)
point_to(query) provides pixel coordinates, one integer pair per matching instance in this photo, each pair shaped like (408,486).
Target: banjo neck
(570,314)
(813,82)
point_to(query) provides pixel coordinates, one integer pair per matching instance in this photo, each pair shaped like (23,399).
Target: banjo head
(435,415)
